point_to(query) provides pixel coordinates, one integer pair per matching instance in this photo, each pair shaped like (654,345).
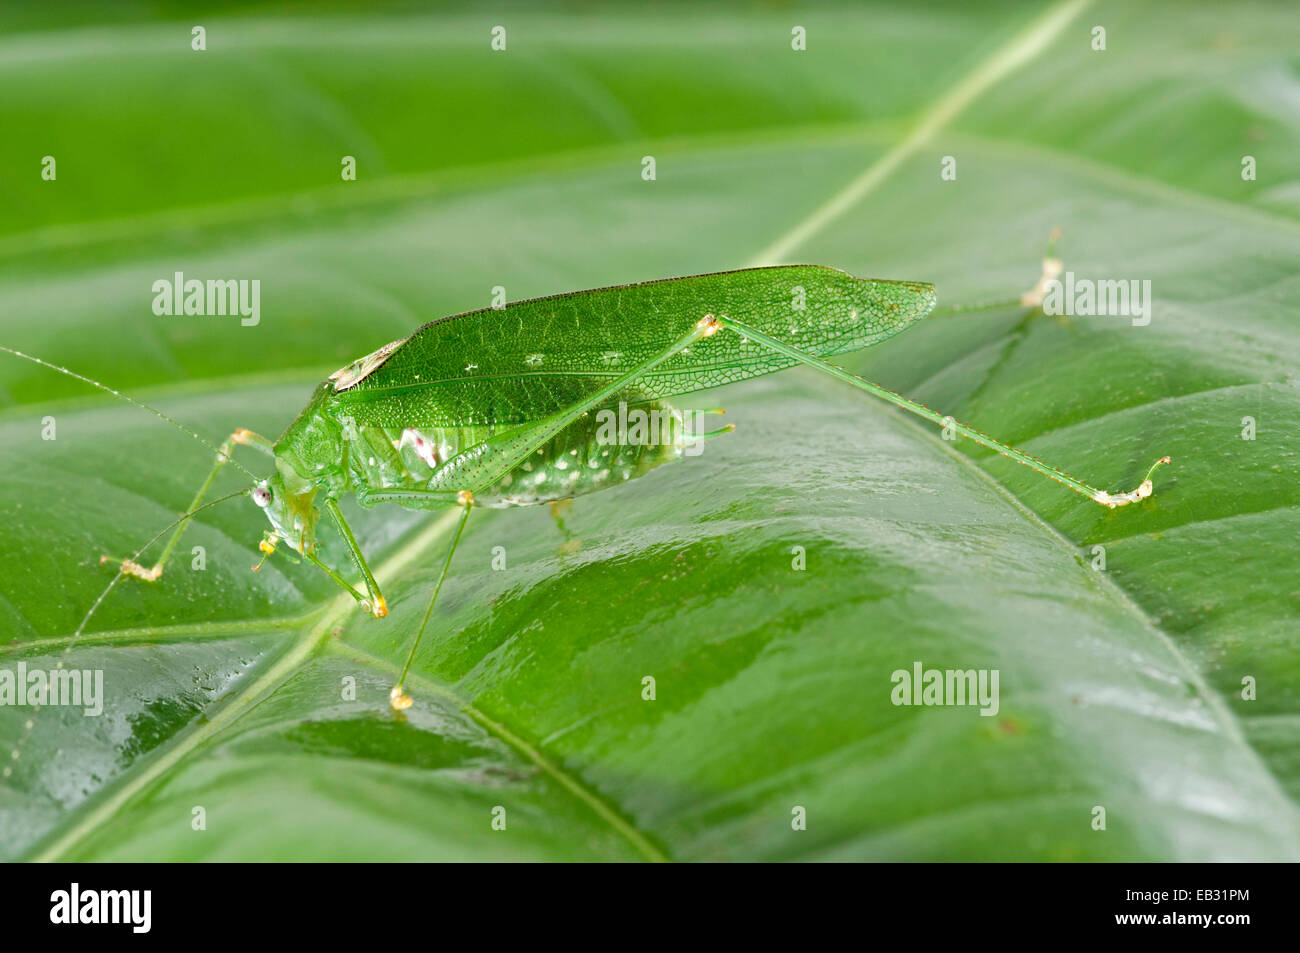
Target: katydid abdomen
(605,447)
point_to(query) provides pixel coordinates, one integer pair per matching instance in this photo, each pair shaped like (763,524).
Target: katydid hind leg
(1102,497)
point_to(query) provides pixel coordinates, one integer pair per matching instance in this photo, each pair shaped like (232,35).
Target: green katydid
(498,407)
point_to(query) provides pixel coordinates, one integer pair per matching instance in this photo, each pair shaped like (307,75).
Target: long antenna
(17,749)
(130,400)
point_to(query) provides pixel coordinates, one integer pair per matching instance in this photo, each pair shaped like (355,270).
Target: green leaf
(228,691)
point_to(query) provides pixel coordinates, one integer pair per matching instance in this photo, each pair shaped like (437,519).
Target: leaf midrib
(278,673)
(586,795)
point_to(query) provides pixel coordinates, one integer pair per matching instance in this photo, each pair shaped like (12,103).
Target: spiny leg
(376,605)
(396,697)
(153,573)
(373,602)
(1097,496)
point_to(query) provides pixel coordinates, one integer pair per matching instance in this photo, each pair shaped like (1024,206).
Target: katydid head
(290,510)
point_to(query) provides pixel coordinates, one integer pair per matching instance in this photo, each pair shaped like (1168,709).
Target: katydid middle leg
(397,698)
(479,468)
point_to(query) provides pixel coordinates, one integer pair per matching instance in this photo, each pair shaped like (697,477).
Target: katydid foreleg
(153,573)
(376,605)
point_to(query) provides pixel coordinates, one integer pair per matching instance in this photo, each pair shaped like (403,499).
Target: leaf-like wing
(535,357)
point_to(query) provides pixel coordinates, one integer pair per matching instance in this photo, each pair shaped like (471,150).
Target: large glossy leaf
(1126,687)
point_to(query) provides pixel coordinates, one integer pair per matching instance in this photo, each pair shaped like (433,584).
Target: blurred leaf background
(1120,688)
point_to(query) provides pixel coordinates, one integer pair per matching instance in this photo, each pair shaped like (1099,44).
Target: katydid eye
(262,496)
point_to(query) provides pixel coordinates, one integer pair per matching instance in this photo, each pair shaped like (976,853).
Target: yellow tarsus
(1144,489)
(129,567)
(397,700)
(1033,298)
(268,548)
